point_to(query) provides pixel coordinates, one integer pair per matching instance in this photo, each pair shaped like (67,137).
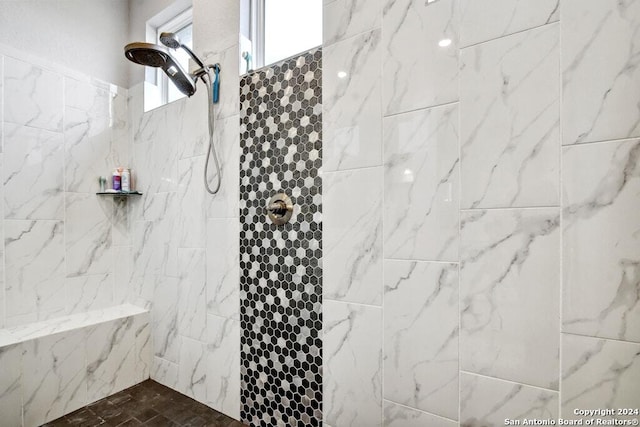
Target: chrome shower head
(148,54)
(154,55)
(172,41)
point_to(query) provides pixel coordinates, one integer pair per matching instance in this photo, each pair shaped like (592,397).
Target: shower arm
(193,56)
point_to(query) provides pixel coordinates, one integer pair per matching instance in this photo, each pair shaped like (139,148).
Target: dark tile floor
(146,404)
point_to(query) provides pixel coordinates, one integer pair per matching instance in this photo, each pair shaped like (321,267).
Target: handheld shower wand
(172,41)
(158,56)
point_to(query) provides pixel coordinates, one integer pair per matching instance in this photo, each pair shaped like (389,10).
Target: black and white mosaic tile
(281,280)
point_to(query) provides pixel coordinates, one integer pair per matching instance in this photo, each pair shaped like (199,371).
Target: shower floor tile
(146,404)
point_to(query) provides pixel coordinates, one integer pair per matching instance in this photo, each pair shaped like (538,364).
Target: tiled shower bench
(51,368)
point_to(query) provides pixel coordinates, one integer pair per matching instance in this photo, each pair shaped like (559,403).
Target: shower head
(154,55)
(172,41)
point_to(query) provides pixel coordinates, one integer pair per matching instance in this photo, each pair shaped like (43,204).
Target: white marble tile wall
(502,250)
(61,132)
(601,184)
(489,401)
(185,241)
(352,373)
(11,384)
(421,300)
(44,377)
(597,371)
(510,123)
(509,281)
(600,70)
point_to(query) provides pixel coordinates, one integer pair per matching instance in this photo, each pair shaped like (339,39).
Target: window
(159,89)
(273,30)
(182,26)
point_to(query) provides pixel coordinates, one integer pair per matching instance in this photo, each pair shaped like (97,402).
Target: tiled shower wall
(61,130)
(281,265)
(184,253)
(481,199)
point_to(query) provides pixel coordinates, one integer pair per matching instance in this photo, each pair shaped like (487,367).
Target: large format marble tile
(421,336)
(418,72)
(192,369)
(600,69)
(54,377)
(192,298)
(215,28)
(164,372)
(86,293)
(155,241)
(2,264)
(2,102)
(598,373)
(223,365)
(489,402)
(482,20)
(352,265)
(223,268)
(510,121)
(111,358)
(229,104)
(33,173)
(342,19)
(121,131)
(88,234)
(402,416)
(509,281)
(601,240)
(143,347)
(193,124)
(86,96)
(124,289)
(87,146)
(32,96)
(121,224)
(34,259)
(192,221)
(155,149)
(352,364)
(351,107)
(226,138)
(164,317)
(421,214)
(11,384)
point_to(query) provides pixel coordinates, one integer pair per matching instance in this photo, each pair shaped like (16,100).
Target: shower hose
(211,152)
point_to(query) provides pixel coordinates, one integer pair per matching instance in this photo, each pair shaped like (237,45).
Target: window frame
(177,23)
(257,13)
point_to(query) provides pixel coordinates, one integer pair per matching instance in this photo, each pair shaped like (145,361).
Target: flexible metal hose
(211,151)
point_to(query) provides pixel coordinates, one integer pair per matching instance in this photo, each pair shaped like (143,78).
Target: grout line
(352,303)
(420,410)
(459,301)
(507,381)
(331,44)
(599,338)
(420,260)
(446,104)
(603,141)
(324,172)
(511,34)
(510,209)
(560,201)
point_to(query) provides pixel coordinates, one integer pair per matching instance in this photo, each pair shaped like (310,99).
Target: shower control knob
(280,209)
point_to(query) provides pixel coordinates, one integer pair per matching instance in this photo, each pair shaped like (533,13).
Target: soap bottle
(125,179)
(116,180)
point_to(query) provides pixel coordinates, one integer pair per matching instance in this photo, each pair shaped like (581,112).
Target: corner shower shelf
(120,194)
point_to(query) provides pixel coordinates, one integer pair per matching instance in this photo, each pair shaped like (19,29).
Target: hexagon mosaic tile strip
(281,280)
